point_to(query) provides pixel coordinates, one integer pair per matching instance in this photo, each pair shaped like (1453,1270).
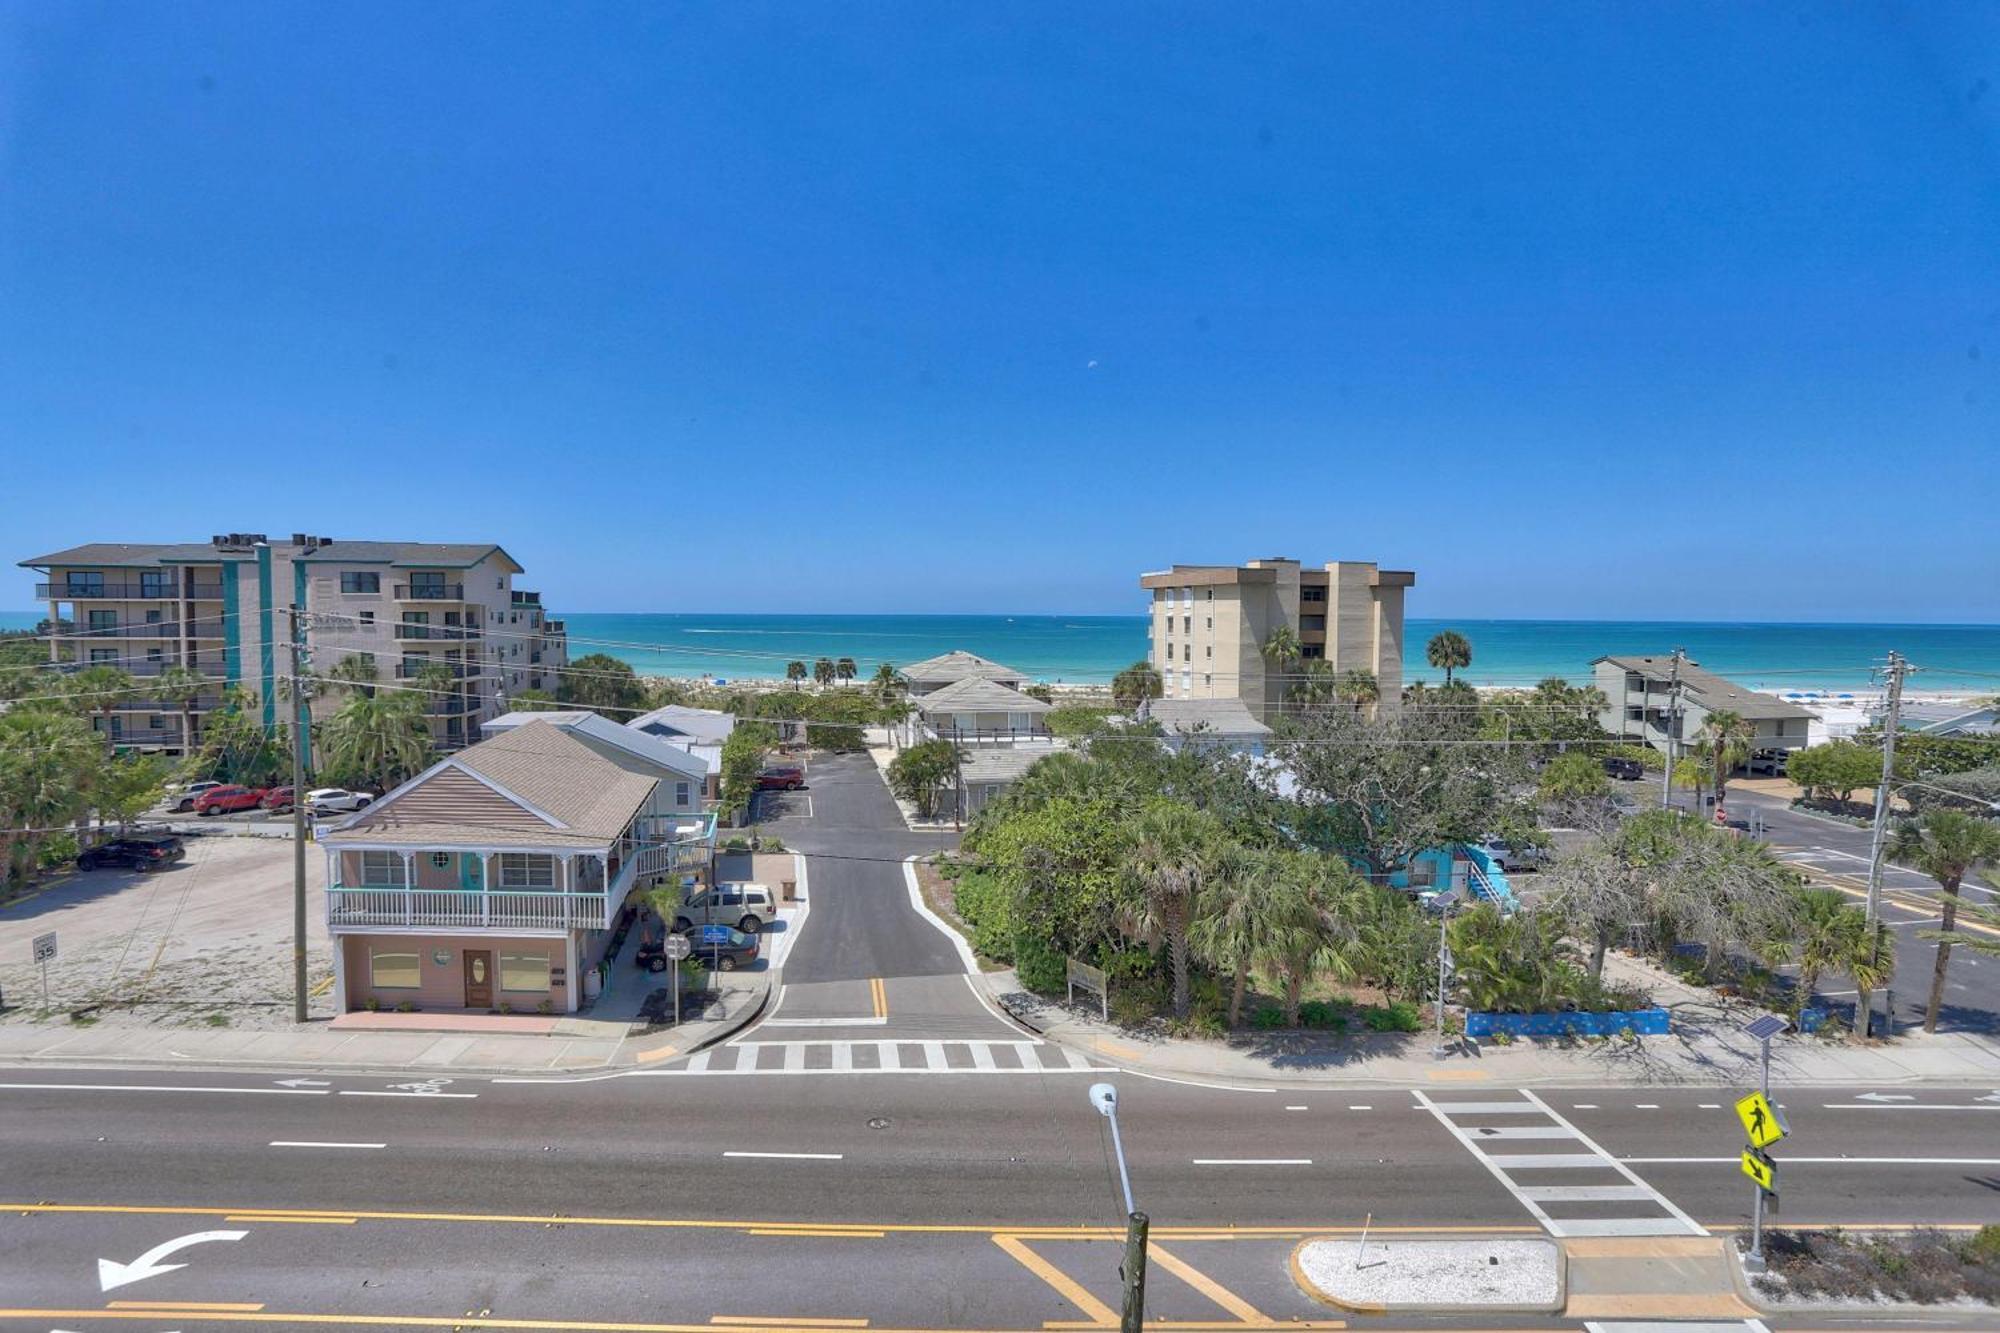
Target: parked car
(141,851)
(1512,856)
(1625,806)
(227,798)
(721,947)
(1620,766)
(1767,764)
(781,779)
(278,800)
(337,800)
(184,800)
(748,907)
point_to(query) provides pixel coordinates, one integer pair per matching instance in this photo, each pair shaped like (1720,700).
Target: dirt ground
(205,944)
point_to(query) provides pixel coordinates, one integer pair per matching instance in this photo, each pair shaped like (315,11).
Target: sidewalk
(1705,1050)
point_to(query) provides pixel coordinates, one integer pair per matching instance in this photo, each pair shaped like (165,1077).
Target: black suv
(144,852)
(1617,766)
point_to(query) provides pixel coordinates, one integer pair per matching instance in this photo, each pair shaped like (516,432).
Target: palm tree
(1981,918)
(1315,686)
(99,689)
(1311,931)
(1283,650)
(1448,651)
(1233,920)
(383,739)
(1173,846)
(354,673)
(48,761)
(1134,685)
(1728,735)
(795,672)
(844,668)
(181,686)
(1945,844)
(1868,955)
(885,680)
(1358,689)
(1819,936)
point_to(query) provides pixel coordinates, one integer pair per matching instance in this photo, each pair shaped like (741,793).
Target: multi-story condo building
(1666,704)
(442,617)
(1211,625)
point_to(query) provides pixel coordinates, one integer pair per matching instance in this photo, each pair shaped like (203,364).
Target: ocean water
(1094,648)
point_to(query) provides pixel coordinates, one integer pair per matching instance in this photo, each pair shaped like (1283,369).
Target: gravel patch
(1434,1274)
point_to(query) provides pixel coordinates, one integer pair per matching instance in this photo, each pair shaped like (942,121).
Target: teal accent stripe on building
(232,628)
(267,660)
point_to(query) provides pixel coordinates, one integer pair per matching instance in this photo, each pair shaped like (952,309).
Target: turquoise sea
(1093,648)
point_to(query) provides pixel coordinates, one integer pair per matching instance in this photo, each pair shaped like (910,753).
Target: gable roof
(958,665)
(975,695)
(1708,690)
(448,555)
(709,726)
(533,786)
(638,744)
(1219,717)
(1002,763)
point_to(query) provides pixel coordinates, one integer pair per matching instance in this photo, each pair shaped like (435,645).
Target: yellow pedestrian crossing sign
(1760,1169)
(1761,1124)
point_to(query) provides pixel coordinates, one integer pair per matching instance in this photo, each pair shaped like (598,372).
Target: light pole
(1446,901)
(1132,1272)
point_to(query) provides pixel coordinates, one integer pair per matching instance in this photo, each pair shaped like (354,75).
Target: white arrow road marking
(1884,1097)
(303,1083)
(112,1274)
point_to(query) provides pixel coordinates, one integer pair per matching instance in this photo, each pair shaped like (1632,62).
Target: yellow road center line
(879,993)
(1207,1286)
(785,1321)
(182,1306)
(1065,1286)
(270,1217)
(808,1231)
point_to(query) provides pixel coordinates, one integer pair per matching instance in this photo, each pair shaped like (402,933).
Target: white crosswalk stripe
(916,1055)
(1677,1326)
(1536,1179)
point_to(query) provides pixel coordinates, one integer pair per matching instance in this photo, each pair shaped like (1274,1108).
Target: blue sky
(1581,310)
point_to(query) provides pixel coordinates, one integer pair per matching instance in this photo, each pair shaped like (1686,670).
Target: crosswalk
(1570,1185)
(888,1056)
(1677,1326)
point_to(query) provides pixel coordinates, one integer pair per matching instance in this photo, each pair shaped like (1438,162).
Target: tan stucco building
(1210,623)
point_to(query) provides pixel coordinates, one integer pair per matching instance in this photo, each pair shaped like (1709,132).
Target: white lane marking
(922,909)
(1900,1106)
(699,1064)
(1674,1326)
(1544,1161)
(934,1056)
(1587,1193)
(1487,1134)
(1483,1108)
(1711,1106)
(913,1056)
(982,1057)
(795,1059)
(1298,1108)
(1645,1106)
(1824,1161)
(791,1156)
(157,1087)
(1583,1106)
(1360,1108)
(1166,1078)
(1253,1161)
(424,1096)
(315,1143)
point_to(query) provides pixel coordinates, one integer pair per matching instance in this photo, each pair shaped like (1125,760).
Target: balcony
(534,909)
(430,592)
(524,599)
(413,630)
(411,670)
(452,705)
(202,703)
(168,591)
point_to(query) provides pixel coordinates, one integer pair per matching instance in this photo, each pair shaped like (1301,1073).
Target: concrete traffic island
(1432,1276)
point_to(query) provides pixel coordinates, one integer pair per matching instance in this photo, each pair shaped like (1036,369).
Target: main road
(882,1151)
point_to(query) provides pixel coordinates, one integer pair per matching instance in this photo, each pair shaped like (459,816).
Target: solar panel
(1765,1026)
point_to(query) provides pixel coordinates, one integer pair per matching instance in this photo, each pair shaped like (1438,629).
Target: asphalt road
(947,1173)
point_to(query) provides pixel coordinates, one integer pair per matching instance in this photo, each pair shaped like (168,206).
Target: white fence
(455,907)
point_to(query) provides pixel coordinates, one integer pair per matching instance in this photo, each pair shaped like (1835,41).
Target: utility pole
(1673,727)
(1897,669)
(1131,1273)
(301,738)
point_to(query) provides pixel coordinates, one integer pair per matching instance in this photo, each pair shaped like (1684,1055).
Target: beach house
(1225,724)
(492,880)
(699,731)
(947,669)
(1654,701)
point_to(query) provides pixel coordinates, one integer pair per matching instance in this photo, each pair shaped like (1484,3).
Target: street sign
(1761,1169)
(1082,976)
(45,947)
(677,947)
(1761,1123)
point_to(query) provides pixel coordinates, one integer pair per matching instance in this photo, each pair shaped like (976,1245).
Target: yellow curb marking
(1207,1286)
(812,1231)
(1457,1075)
(1065,1286)
(657,1053)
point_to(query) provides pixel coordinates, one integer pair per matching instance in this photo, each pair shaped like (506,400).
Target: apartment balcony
(201,703)
(523,599)
(169,591)
(453,705)
(409,670)
(533,909)
(411,631)
(430,592)
(147,737)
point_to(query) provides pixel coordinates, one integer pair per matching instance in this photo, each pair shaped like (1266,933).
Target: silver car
(748,907)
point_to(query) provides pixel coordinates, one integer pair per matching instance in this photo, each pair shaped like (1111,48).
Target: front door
(478,979)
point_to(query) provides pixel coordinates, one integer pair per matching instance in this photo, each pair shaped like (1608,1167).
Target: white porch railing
(536,909)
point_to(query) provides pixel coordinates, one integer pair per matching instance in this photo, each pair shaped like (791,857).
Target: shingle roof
(561,775)
(1002,763)
(444,554)
(1222,717)
(1710,691)
(958,665)
(641,745)
(136,553)
(975,695)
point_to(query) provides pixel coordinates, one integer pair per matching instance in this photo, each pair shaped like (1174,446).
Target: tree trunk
(1947,918)
(1295,984)
(1236,993)
(1177,951)
(1864,1001)
(1597,955)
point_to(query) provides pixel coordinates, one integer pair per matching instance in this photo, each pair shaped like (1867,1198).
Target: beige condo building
(1210,624)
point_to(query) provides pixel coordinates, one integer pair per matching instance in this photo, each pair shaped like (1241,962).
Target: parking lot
(205,943)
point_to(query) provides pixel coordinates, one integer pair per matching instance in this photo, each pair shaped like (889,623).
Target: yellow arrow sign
(1761,1124)
(1760,1169)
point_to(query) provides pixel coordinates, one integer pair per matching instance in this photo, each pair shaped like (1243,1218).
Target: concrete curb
(1327,1298)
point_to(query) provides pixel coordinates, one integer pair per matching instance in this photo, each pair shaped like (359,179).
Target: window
(1187,624)
(152,617)
(156,722)
(428,584)
(84,582)
(382,870)
(153,583)
(1312,622)
(393,971)
(524,971)
(156,655)
(683,793)
(368,618)
(527,870)
(441,860)
(1210,624)
(1208,651)
(1312,650)
(103,620)
(356,581)
(1312,594)
(416,624)
(104,654)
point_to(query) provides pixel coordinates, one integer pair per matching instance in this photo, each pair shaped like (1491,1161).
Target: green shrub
(1402,1016)
(1984,1247)
(1198,1025)
(1267,1017)
(1040,965)
(985,903)
(1136,1001)
(1320,1014)
(57,849)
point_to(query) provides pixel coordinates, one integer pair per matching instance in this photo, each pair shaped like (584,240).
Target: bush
(1136,1001)
(986,905)
(1267,1018)
(1402,1016)
(56,849)
(1040,965)
(1320,1014)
